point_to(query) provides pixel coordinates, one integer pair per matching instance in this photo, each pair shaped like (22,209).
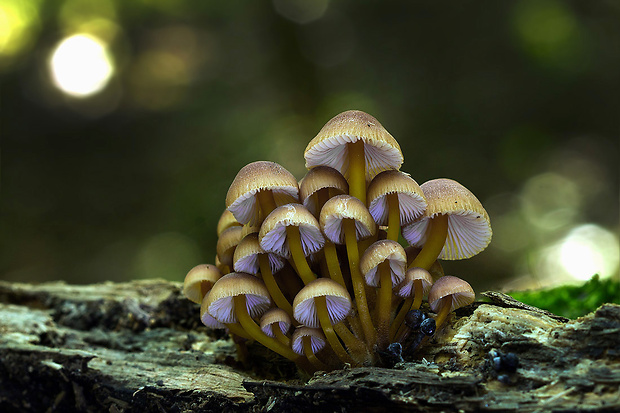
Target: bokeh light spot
(588,250)
(81,66)
(550,201)
(301,11)
(17,22)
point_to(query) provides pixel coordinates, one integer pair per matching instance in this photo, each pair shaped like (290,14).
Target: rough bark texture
(139,347)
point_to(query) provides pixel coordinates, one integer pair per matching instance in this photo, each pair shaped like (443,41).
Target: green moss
(573,301)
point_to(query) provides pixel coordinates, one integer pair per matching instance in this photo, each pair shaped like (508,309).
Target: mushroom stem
(358,281)
(331,257)
(282,338)
(385,304)
(236,329)
(411,303)
(357,170)
(393,216)
(330,334)
(254,331)
(297,254)
(355,345)
(314,360)
(266,203)
(437,232)
(272,285)
(443,311)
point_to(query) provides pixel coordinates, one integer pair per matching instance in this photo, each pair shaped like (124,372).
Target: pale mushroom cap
(201,274)
(459,290)
(226,244)
(379,252)
(346,207)
(272,235)
(227,220)
(219,302)
(321,177)
(206,318)
(337,299)
(469,226)
(317,339)
(254,177)
(329,147)
(411,200)
(246,254)
(275,316)
(407,288)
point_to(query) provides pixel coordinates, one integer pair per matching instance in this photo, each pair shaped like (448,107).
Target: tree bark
(139,347)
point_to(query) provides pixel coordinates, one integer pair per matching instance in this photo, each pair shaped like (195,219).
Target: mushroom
(416,285)
(199,281)
(358,146)
(309,341)
(320,184)
(395,199)
(227,220)
(454,226)
(250,258)
(210,321)
(447,294)
(226,244)
(276,323)
(291,231)
(258,189)
(239,297)
(384,263)
(325,303)
(345,220)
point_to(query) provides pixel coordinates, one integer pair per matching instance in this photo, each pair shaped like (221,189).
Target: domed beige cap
(206,318)
(227,220)
(407,288)
(329,147)
(411,200)
(459,291)
(273,317)
(469,226)
(317,339)
(318,178)
(254,177)
(336,296)
(379,252)
(198,279)
(346,207)
(220,304)
(226,244)
(246,254)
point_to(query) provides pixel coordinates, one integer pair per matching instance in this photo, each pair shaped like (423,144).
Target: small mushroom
(309,341)
(416,285)
(199,281)
(226,244)
(276,323)
(447,294)
(320,184)
(227,220)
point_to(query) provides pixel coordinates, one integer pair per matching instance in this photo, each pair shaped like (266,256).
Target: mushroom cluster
(314,270)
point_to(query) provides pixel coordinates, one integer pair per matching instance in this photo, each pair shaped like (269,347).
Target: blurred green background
(124,122)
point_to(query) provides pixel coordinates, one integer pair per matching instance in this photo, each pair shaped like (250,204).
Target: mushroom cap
(407,288)
(469,226)
(272,235)
(219,302)
(319,178)
(337,299)
(226,244)
(227,220)
(206,318)
(329,147)
(259,176)
(275,316)
(411,200)
(201,274)
(459,290)
(246,254)
(317,339)
(378,253)
(345,206)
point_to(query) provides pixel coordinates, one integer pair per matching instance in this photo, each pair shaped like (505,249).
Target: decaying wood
(139,347)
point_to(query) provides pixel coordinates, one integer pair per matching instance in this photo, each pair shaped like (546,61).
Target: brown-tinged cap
(227,220)
(226,244)
(411,200)
(272,235)
(460,292)
(254,177)
(321,177)
(206,318)
(275,316)
(469,226)
(198,279)
(317,339)
(220,302)
(329,146)
(379,252)
(407,288)
(346,207)
(245,258)
(336,296)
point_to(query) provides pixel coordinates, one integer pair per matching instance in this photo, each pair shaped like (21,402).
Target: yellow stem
(280,336)
(316,363)
(254,331)
(443,311)
(393,216)
(236,329)
(356,347)
(330,334)
(411,303)
(358,282)
(266,202)
(272,285)
(331,257)
(357,170)
(385,304)
(437,232)
(297,254)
